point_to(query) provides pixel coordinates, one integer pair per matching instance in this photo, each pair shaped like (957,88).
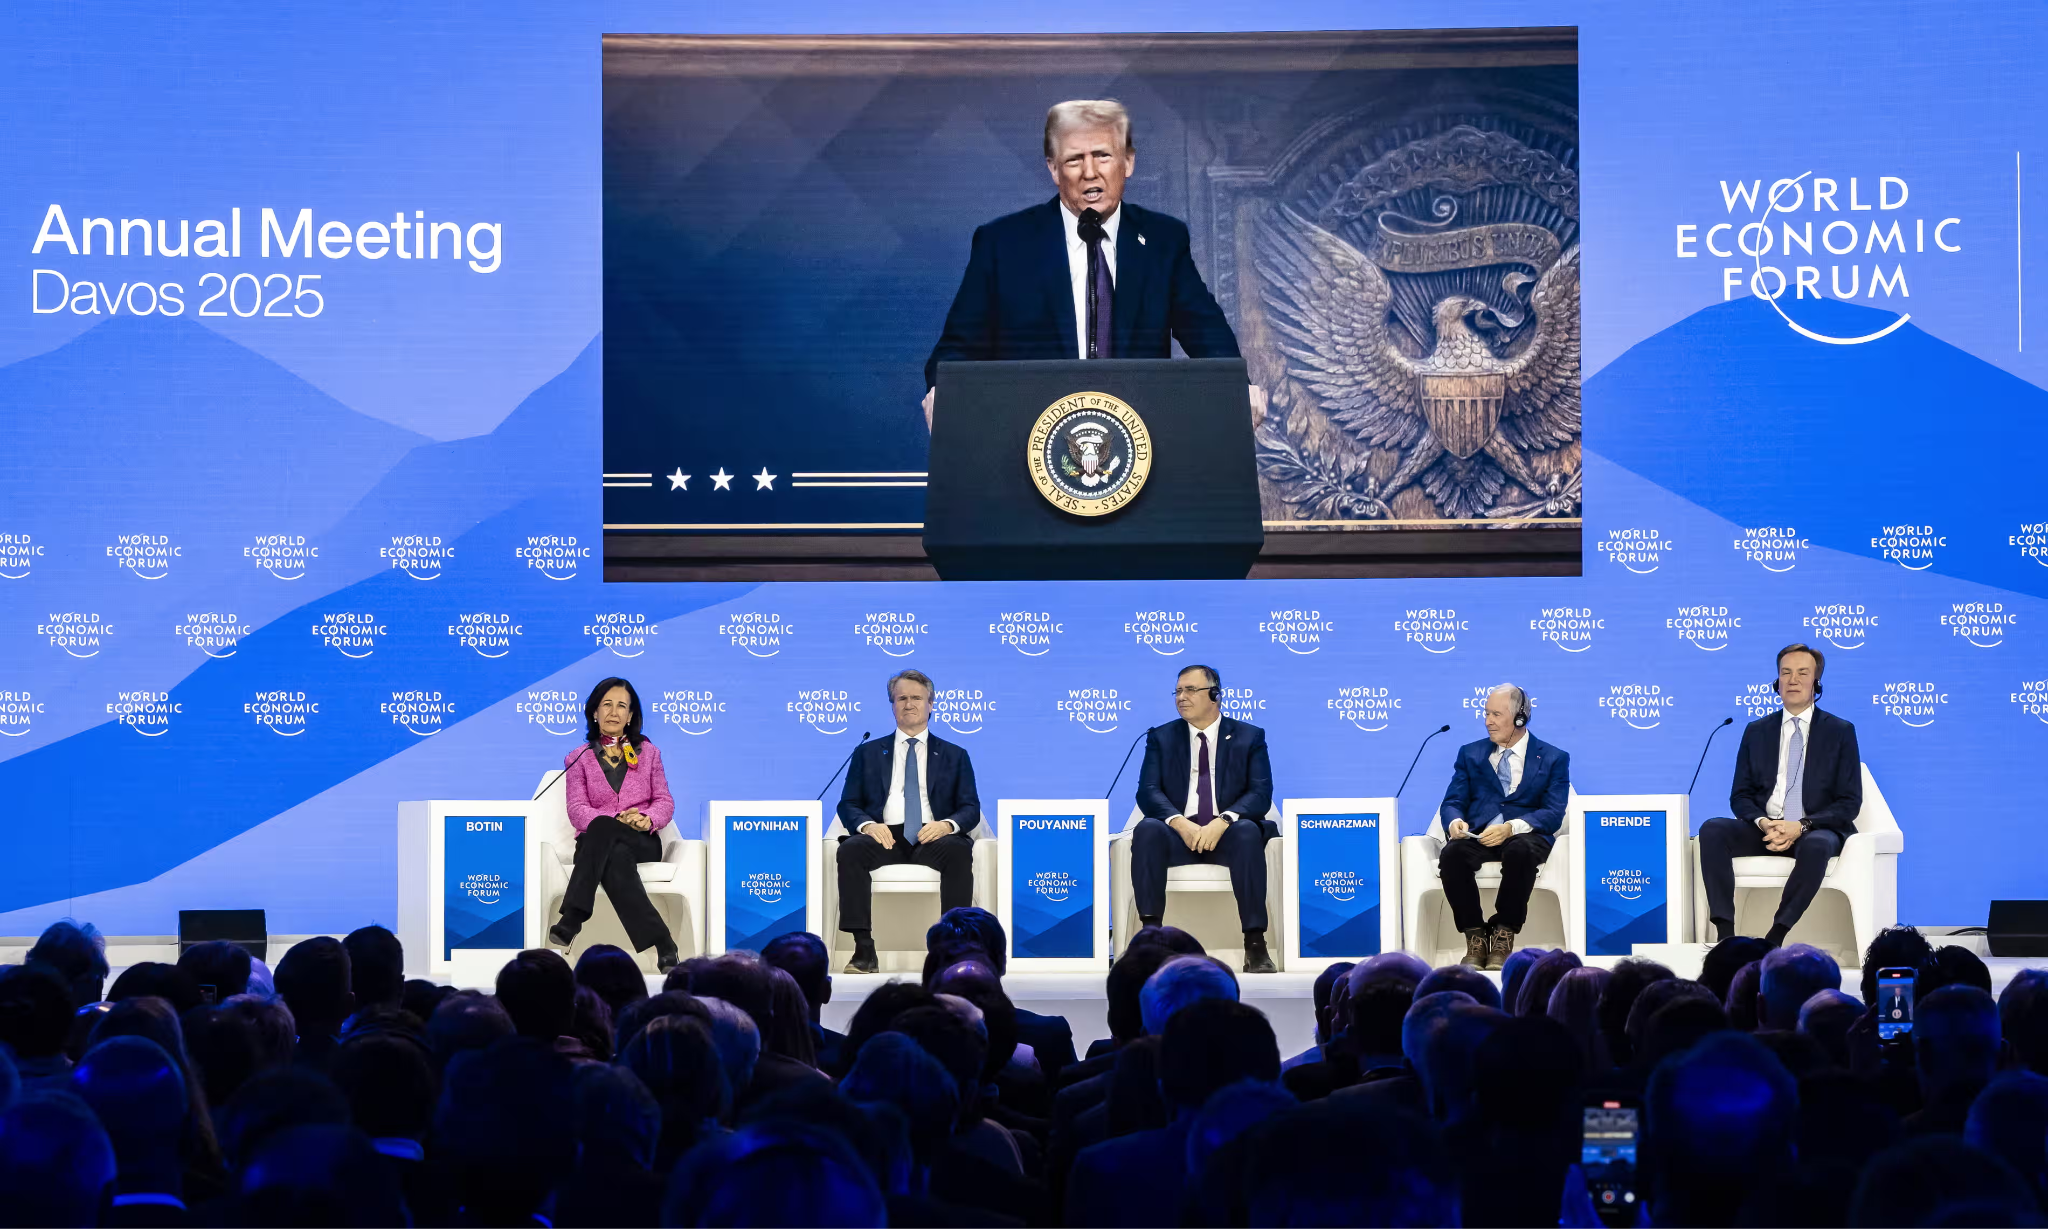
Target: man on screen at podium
(1086,274)
(1798,789)
(1506,801)
(908,798)
(1205,789)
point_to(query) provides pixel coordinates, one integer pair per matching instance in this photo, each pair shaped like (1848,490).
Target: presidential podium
(1129,469)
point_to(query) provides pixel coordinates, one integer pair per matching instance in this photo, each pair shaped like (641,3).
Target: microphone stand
(842,765)
(1418,757)
(1725,723)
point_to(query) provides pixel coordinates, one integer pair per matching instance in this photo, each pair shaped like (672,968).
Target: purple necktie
(1101,289)
(1205,793)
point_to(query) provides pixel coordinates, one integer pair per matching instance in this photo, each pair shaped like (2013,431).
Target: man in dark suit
(1506,800)
(908,798)
(1798,789)
(1084,275)
(1205,789)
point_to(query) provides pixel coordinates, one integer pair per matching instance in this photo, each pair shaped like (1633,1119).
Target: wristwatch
(1805,826)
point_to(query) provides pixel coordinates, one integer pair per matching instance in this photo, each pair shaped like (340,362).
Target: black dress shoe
(666,957)
(561,934)
(864,960)
(1256,959)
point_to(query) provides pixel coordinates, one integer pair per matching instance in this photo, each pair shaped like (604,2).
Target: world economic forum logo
(1980,624)
(1570,628)
(760,633)
(1165,632)
(1625,883)
(18,712)
(1639,550)
(1365,707)
(1339,885)
(1641,706)
(1030,632)
(1810,217)
(484,887)
(1843,625)
(1300,632)
(1095,709)
(963,710)
(1915,704)
(693,710)
(766,886)
(18,555)
(895,632)
(1054,886)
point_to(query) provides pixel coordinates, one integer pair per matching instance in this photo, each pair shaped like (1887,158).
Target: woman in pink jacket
(618,800)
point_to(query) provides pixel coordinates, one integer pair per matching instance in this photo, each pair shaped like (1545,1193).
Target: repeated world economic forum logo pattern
(346,672)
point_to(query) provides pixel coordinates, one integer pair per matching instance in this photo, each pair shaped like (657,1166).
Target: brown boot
(1476,944)
(1499,947)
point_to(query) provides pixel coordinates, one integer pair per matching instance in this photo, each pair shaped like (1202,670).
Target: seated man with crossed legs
(1506,801)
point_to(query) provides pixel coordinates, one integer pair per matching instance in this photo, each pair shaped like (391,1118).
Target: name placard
(1054,903)
(483,883)
(1630,853)
(1342,881)
(762,865)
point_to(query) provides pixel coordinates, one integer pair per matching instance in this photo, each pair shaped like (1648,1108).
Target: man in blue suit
(908,798)
(1507,798)
(1205,789)
(1084,275)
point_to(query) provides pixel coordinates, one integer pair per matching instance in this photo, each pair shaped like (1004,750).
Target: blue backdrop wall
(265,573)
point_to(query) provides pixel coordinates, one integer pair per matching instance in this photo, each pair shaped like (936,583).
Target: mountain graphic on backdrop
(195,797)
(547,446)
(188,428)
(1610,932)
(1715,408)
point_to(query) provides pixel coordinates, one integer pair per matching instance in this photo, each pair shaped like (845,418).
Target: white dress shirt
(1775,808)
(892,810)
(1215,732)
(1077,267)
(1515,757)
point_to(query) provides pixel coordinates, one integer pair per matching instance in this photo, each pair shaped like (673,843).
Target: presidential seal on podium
(1089,454)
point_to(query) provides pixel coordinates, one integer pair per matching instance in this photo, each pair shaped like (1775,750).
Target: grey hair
(911,676)
(1087,113)
(736,1038)
(1521,699)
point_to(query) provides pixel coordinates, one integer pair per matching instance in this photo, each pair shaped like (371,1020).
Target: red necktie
(1205,793)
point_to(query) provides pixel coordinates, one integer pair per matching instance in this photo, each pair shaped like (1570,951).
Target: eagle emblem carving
(1462,414)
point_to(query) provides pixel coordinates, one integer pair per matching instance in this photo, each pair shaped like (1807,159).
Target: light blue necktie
(1795,773)
(1506,776)
(913,807)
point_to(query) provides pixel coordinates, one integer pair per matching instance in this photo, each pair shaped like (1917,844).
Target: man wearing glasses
(1205,789)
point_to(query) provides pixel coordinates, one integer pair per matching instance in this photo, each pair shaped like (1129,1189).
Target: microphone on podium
(1127,754)
(842,764)
(1418,757)
(1725,723)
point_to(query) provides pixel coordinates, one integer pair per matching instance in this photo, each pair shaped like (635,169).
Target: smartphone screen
(1894,1004)
(1607,1155)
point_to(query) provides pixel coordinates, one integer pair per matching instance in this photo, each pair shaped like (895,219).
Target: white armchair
(1858,897)
(1427,927)
(905,900)
(675,884)
(1199,900)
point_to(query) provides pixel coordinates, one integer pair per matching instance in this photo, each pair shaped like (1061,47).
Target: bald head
(968,979)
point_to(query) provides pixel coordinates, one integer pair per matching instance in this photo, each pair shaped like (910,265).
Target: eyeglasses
(1178,692)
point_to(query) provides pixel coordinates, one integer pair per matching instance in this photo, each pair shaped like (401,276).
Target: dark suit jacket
(1050,1037)
(1833,782)
(1540,800)
(1132,1180)
(1016,300)
(1239,768)
(949,783)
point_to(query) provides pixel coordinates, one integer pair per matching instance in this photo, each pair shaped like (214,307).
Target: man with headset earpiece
(1798,789)
(1205,788)
(1506,801)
